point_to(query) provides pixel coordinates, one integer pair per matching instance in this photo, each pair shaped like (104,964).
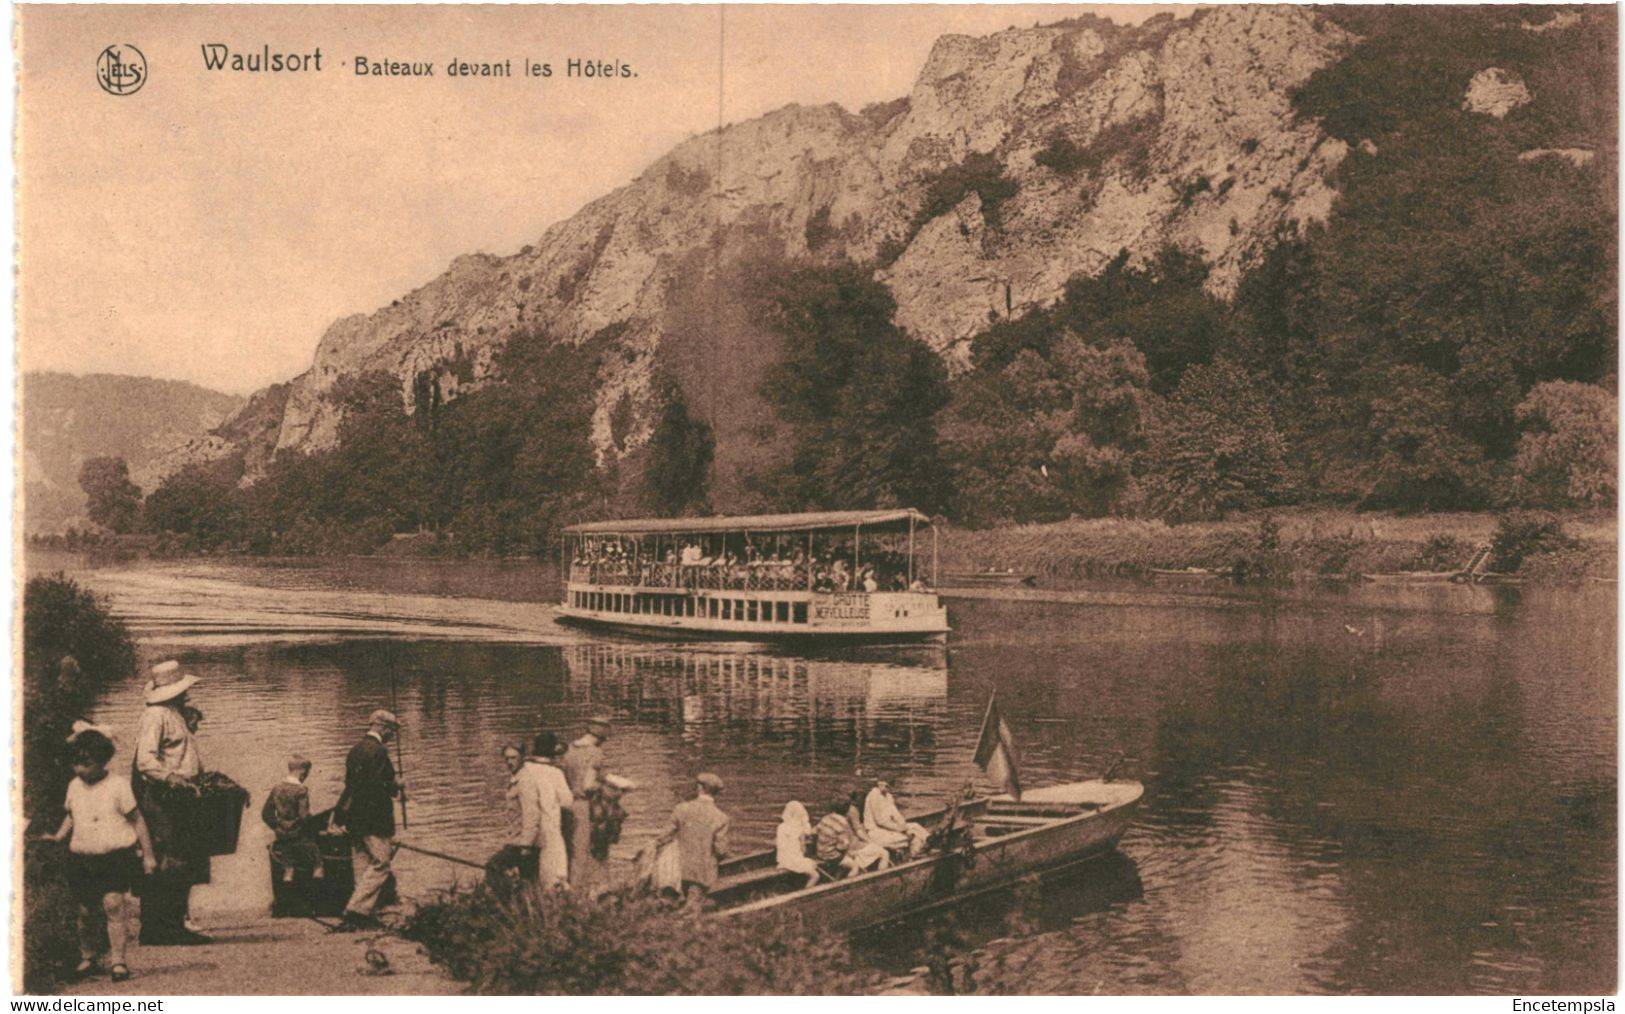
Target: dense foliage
(1444,341)
(499,470)
(560,943)
(111,499)
(678,471)
(858,393)
(72,649)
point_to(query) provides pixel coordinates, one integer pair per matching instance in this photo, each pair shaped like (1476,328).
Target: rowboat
(826,577)
(998,840)
(988,579)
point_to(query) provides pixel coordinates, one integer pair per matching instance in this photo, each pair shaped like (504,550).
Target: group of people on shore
(564,806)
(564,812)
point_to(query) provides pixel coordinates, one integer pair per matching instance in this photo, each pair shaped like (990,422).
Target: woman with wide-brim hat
(167,770)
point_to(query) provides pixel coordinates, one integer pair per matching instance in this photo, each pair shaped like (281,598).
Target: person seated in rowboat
(842,844)
(795,827)
(884,823)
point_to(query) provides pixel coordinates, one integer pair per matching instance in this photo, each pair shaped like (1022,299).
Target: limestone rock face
(1181,131)
(1495,92)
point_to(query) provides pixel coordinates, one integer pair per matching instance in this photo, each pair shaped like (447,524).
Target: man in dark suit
(367,811)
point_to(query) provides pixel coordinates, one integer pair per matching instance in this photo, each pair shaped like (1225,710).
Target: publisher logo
(121,70)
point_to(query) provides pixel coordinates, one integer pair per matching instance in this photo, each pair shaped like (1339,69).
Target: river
(1376,790)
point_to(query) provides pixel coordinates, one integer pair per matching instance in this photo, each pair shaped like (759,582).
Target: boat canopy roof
(816,521)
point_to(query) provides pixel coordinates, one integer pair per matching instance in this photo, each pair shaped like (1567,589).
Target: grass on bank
(1302,544)
(560,943)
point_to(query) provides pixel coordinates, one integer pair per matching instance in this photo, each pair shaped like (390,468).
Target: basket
(217,815)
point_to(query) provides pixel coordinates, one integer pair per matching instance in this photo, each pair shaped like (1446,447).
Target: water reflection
(1361,791)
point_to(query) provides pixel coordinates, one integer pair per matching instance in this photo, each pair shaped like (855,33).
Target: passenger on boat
(822,581)
(701,830)
(544,796)
(884,823)
(691,554)
(794,829)
(840,576)
(870,584)
(841,843)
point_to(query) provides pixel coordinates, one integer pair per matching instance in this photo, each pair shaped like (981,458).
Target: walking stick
(400,759)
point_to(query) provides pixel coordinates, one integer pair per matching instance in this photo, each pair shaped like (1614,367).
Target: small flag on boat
(996,751)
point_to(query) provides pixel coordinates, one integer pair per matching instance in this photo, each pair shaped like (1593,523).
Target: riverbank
(272,957)
(1287,544)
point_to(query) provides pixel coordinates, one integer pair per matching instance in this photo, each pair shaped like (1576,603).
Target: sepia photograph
(816,500)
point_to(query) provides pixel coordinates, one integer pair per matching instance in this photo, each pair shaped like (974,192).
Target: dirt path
(273,957)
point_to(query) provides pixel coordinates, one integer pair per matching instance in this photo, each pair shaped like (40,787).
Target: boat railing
(758,576)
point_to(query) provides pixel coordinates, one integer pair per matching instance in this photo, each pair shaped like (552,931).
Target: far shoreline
(1288,546)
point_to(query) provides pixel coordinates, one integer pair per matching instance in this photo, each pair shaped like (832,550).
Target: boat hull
(757,615)
(933,880)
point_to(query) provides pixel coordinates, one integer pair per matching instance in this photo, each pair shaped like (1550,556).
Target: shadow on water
(1054,901)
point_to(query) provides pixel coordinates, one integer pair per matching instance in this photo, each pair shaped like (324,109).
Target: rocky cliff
(1103,138)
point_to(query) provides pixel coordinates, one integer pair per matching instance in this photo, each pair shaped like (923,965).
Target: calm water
(1372,791)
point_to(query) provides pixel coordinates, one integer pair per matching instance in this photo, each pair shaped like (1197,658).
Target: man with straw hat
(367,811)
(583,766)
(167,769)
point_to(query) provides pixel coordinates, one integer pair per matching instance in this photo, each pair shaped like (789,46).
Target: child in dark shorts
(102,828)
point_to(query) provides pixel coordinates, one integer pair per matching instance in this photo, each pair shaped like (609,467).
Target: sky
(209,226)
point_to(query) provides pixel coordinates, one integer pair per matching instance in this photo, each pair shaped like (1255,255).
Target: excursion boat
(837,575)
(995,840)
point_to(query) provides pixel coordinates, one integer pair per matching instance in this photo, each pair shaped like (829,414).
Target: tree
(680,453)
(1417,459)
(1048,435)
(1215,447)
(113,501)
(1567,456)
(199,501)
(859,394)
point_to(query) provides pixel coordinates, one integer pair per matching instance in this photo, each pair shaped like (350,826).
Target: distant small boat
(1412,577)
(989,578)
(1001,839)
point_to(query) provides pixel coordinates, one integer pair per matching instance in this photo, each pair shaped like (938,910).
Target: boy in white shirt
(102,828)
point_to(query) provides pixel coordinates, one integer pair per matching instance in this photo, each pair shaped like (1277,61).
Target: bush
(979,172)
(1567,453)
(1521,534)
(60,621)
(1441,553)
(561,943)
(1061,156)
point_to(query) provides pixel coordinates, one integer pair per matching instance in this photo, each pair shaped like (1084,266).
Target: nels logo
(121,70)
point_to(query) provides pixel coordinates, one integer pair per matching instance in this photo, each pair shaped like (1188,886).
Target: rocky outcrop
(1579,158)
(1174,132)
(1495,92)
(250,431)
